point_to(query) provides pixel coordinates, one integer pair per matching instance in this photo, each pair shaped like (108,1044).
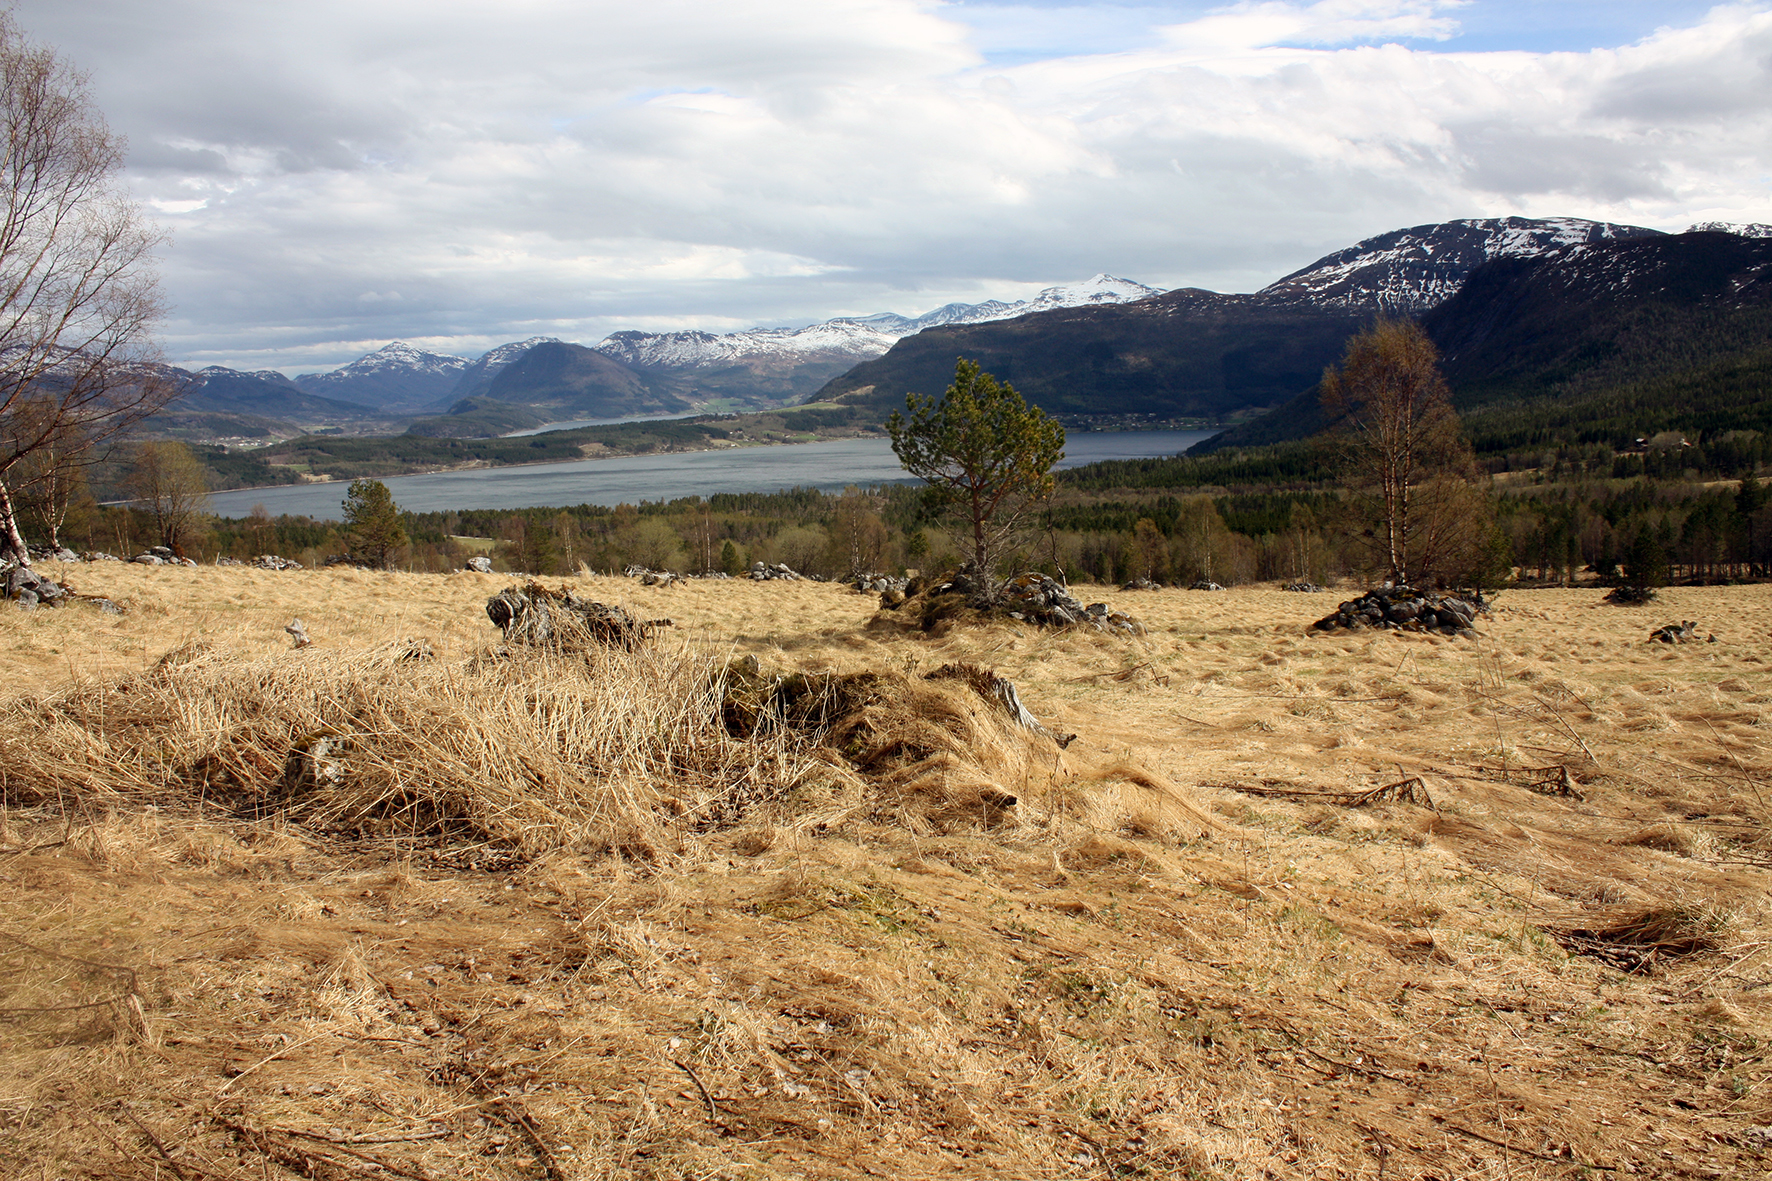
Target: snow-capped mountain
(1414,269)
(473,380)
(395,376)
(857,337)
(1752,229)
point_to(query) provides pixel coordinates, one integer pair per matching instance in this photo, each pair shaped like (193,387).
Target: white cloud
(586,166)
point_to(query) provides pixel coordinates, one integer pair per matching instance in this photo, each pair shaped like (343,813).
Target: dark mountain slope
(1194,353)
(1187,353)
(568,381)
(268,394)
(396,377)
(1596,343)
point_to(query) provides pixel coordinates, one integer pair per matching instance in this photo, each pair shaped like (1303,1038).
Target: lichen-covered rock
(478,564)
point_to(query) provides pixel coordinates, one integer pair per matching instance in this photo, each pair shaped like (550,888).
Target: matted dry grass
(578,970)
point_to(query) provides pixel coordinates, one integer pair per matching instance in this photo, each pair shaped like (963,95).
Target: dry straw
(540,748)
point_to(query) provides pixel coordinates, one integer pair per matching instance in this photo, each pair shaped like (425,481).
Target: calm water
(634,478)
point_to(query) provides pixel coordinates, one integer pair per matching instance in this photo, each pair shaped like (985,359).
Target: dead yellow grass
(1139,971)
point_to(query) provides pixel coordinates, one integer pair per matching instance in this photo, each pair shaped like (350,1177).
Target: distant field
(1169,958)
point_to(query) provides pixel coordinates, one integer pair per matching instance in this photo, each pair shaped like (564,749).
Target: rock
(64,554)
(532,614)
(273,562)
(1205,584)
(227,561)
(877,583)
(764,572)
(300,633)
(1684,632)
(660,578)
(1305,588)
(107,606)
(149,559)
(312,765)
(26,600)
(1001,690)
(99,556)
(1406,609)
(1143,584)
(478,564)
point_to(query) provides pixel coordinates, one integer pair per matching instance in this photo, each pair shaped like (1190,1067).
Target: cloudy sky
(336,174)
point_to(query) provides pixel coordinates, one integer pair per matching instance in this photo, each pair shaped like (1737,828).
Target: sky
(336,174)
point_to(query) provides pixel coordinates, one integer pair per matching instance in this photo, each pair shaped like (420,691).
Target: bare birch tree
(78,293)
(1393,407)
(171,483)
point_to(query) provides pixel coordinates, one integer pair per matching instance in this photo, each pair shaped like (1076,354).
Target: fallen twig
(270,1058)
(518,1117)
(159,1145)
(1751,785)
(713,1112)
(1506,1147)
(1405,791)
(378,1162)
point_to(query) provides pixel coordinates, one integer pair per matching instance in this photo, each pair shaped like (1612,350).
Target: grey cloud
(530,170)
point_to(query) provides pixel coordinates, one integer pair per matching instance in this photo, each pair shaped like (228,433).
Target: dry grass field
(335,913)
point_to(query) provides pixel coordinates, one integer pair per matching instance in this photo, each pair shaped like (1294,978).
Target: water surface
(829,465)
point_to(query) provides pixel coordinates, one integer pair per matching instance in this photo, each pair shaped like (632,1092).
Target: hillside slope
(1595,343)
(1195,353)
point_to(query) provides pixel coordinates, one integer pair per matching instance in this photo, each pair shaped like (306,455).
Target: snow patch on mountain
(504,354)
(396,357)
(1752,229)
(1411,270)
(858,337)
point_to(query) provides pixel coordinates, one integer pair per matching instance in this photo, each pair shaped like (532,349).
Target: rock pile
(1304,588)
(479,564)
(660,578)
(532,614)
(273,562)
(94,555)
(878,584)
(1140,584)
(1684,632)
(1205,584)
(1030,598)
(764,572)
(28,588)
(160,555)
(44,553)
(1405,609)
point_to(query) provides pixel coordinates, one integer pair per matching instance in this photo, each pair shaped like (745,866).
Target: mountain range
(1103,346)
(1203,354)
(1603,341)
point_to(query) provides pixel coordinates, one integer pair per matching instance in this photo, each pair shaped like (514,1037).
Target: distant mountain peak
(397,375)
(1748,229)
(858,337)
(1411,270)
